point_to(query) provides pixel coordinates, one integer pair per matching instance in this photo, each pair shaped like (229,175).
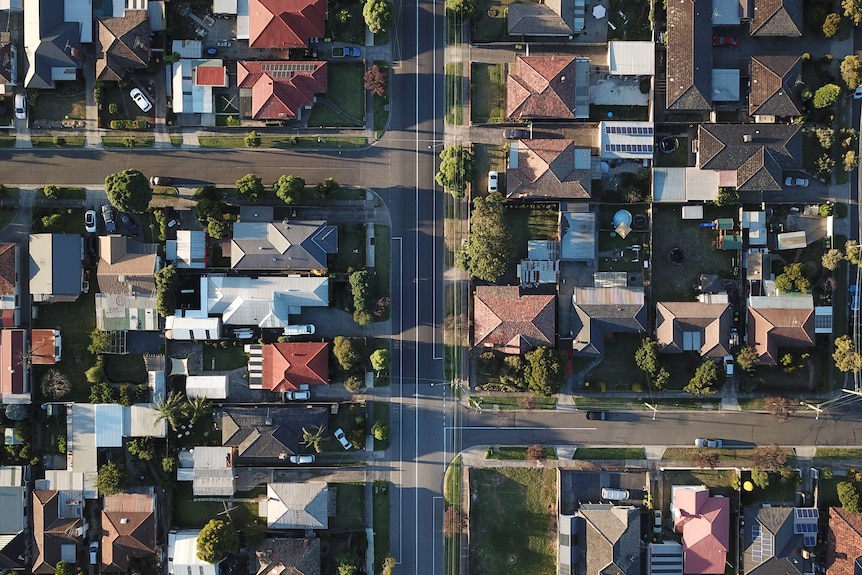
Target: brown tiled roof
(210,76)
(122,44)
(777,18)
(42,346)
(514,323)
(546,169)
(50,531)
(286,366)
(278,96)
(689,55)
(541,87)
(773,86)
(125,266)
(771,328)
(844,543)
(287,557)
(128,530)
(711,321)
(285,23)
(8,272)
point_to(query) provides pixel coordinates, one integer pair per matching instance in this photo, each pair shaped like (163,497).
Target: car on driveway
(130,224)
(710,443)
(108,216)
(295,396)
(21,106)
(342,439)
(94,552)
(857,94)
(597,415)
(656,527)
(141,100)
(516,134)
(726,41)
(728,365)
(493,181)
(90,222)
(301,459)
(854,297)
(792,182)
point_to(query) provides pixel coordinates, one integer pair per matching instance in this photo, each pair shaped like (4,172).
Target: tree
(852,252)
(101,392)
(704,379)
(380,430)
(512,373)
(64,568)
(249,187)
(853,10)
(846,357)
(661,378)
(850,161)
(100,342)
(727,197)
(360,288)
(453,521)
(289,189)
(831,24)
(326,188)
(142,448)
(312,438)
(705,458)
(778,407)
(851,71)
(456,169)
(826,136)
(646,357)
(832,259)
(769,458)
(462,8)
(197,408)
(380,360)
(760,478)
(166,288)
(378,15)
(171,409)
(353,384)
(111,479)
(388,565)
(747,358)
(536,453)
(55,384)
(252,140)
(51,191)
(347,563)
(348,352)
(848,495)
(544,371)
(216,539)
(824,164)
(169,464)
(129,191)
(219,227)
(826,95)
(375,80)
(793,279)
(489,246)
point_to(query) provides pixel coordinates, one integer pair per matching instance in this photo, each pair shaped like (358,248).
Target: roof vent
(747,138)
(124,521)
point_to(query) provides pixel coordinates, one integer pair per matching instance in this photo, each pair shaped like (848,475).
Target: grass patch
(487,92)
(346,24)
(514,402)
(349,506)
(191,514)
(491,21)
(64,194)
(56,107)
(217,358)
(284,142)
(6,216)
(486,157)
(382,247)
(176,141)
(128,141)
(617,371)
(453,482)
(676,159)
(381,413)
(513,453)
(719,482)
(70,141)
(7,141)
(811,151)
(670,404)
(531,223)
(69,222)
(381,103)
(454,93)
(351,237)
(513,527)
(345,91)
(636,23)
(592,453)
(380,506)
(838,453)
(125,368)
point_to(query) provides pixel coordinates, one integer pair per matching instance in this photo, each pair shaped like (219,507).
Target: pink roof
(285,23)
(705,525)
(11,361)
(280,89)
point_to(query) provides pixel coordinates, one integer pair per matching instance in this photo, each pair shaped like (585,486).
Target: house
(46,346)
(285,23)
(844,543)
(601,311)
(777,18)
(294,245)
(10,289)
(192,85)
(704,522)
(294,556)
(14,374)
(126,267)
(611,539)
(122,44)
(774,540)
(548,169)
(296,505)
(8,65)
(183,554)
(288,366)
(58,528)
(775,87)
(626,140)
(279,90)
(128,529)
(56,271)
(188,251)
(786,321)
(689,55)
(510,322)
(547,88)
(264,437)
(14,533)
(209,468)
(750,157)
(694,326)
(550,19)
(52,40)
(124,312)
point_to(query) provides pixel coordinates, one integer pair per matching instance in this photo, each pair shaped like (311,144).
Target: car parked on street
(597,415)
(301,459)
(857,94)
(141,100)
(710,443)
(108,216)
(342,439)
(130,224)
(161,181)
(90,222)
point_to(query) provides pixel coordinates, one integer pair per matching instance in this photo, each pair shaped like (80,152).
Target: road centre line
(515,427)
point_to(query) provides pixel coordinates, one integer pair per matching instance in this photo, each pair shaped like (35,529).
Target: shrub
(252,140)
(129,124)
(113,108)
(831,24)
(353,384)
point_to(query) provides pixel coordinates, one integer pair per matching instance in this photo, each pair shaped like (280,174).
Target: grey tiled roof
(266,433)
(782,557)
(531,19)
(591,321)
(286,245)
(612,539)
(689,55)
(774,90)
(777,18)
(57,39)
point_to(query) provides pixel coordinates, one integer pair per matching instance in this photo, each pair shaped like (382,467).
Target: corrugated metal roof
(81,423)
(701,185)
(109,425)
(792,241)
(631,58)
(725,82)
(11,475)
(144,421)
(191,248)
(668,184)
(578,241)
(224,6)
(187,48)
(209,386)
(12,503)
(183,555)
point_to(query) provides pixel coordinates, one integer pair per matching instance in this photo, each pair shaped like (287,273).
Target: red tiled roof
(844,544)
(42,346)
(285,23)
(705,525)
(11,361)
(7,269)
(277,93)
(514,323)
(128,530)
(771,328)
(286,366)
(7,318)
(538,88)
(211,76)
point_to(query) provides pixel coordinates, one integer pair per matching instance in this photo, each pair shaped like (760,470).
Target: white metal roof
(213,471)
(242,23)
(631,58)
(725,84)
(191,245)
(183,555)
(209,386)
(701,185)
(144,421)
(792,241)
(109,425)
(668,184)
(579,240)
(182,86)
(11,475)
(224,6)
(187,48)
(81,443)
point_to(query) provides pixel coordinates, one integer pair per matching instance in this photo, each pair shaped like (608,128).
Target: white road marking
(400,393)
(518,427)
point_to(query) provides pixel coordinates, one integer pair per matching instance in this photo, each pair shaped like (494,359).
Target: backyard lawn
(676,159)
(191,514)
(218,358)
(349,506)
(630,20)
(513,521)
(531,223)
(127,368)
(491,21)
(346,92)
(488,92)
(346,23)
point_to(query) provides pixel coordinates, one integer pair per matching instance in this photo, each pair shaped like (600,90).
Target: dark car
(728,41)
(516,134)
(108,216)
(597,415)
(161,181)
(133,228)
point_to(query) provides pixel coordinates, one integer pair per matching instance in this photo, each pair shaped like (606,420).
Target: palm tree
(171,409)
(197,408)
(313,439)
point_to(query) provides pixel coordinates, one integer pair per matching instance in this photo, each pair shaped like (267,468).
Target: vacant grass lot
(349,506)
(346,91)
(487,92)
(219,358)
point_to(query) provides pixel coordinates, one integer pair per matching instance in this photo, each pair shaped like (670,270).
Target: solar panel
(807,512)
(810,540)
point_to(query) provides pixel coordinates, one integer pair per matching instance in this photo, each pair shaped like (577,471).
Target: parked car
(854,298)
(161,181)
(130,224)
(728,41)
(493,180)
(710,443)
(792,182)
(94,552)
(21,106)
(857,95)
(342,439)
(656,525)
(295,396)
(516,134)
(303,329)
(90,223)
(615,494)
(728,365)
(108,216)
(301,459)
(141,100)
(597,415)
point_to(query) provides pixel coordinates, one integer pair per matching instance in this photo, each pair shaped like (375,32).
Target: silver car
(342,439)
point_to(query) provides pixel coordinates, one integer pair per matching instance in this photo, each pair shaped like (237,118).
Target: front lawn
(58,221)
(349,506)
(63,193)
(346,92)
(491,21)
(608,453)
(512,521)
(617,370)
(284,141)
(56,106)
(351,248)
(488,92)
(219,358)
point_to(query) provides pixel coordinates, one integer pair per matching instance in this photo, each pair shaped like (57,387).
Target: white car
(857,95)
(728,365)
(656,522)
(140,100)
(301,459)
(493,181)
(21,106)
(295,396)
(90,222)
(342,439)
(94,552)
(710,443)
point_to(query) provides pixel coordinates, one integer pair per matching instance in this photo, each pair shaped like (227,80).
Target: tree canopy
(746,358)
(463,8)
(851,71)
(111,479)
(381,359)
(832,259)
(826,95)
(545,370)
(289,188)
(846,357)
(853,10)
(216,539)
(727,197)
(646,357)
(489,246)
(704,379)
(831,24)
(378,15)
(793,279)
(375,80)
(129,191)
(166,288)
(249,187)
(848,495)
(348,352)
(456,169)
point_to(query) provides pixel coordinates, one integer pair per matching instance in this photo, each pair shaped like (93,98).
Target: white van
(615,494)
